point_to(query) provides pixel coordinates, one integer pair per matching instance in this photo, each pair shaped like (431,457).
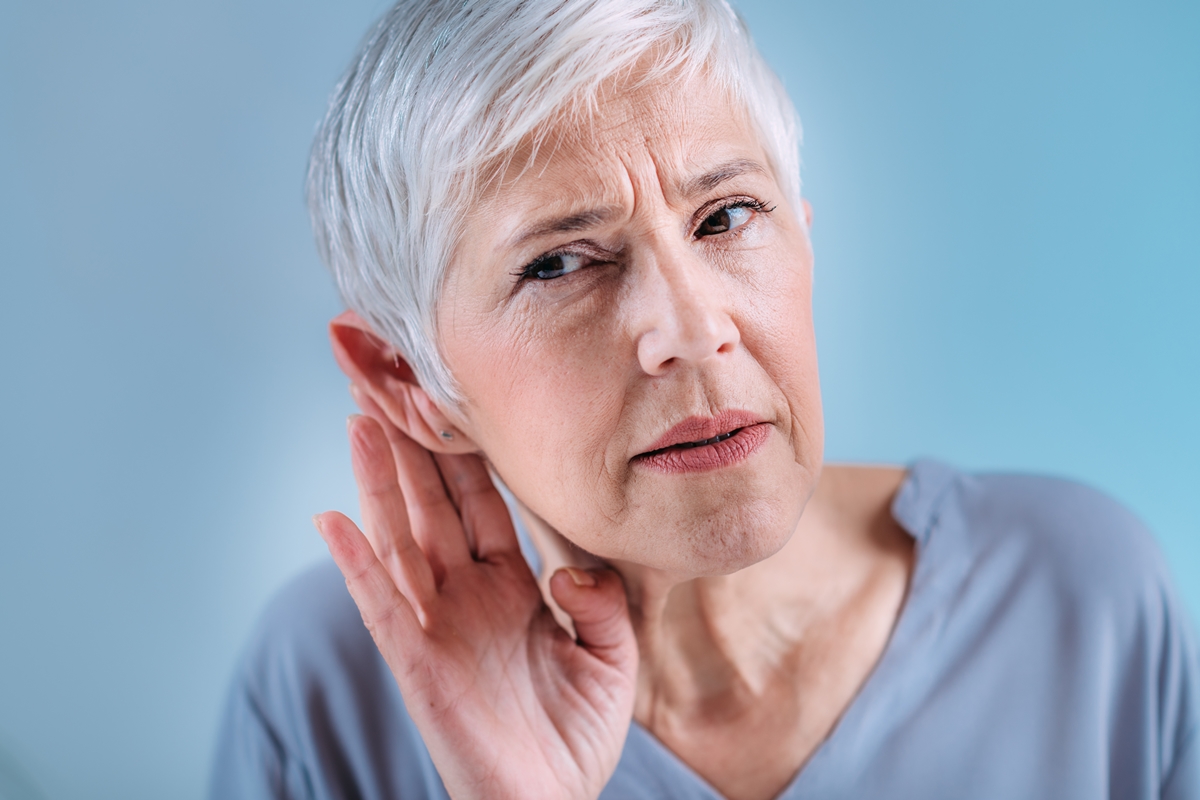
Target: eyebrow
(714,178)
(595,217)
(580,221)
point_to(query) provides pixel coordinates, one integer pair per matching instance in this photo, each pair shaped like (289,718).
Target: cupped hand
(508,703)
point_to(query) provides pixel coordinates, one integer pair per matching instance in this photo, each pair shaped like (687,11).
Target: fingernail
(317,524)
(581,577)
(350,419)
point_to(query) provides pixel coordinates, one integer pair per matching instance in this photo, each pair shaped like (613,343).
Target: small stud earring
(447,435)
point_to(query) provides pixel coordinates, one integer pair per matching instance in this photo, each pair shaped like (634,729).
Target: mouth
(705,443)
(720,437)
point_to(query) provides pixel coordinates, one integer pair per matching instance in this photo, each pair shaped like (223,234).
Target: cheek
(777,328)
(545,397)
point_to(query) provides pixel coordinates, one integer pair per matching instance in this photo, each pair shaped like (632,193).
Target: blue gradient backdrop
(1006,194)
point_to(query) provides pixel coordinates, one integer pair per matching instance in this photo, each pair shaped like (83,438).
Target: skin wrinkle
(579,221)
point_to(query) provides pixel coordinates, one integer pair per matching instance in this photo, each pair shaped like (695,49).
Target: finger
(385,513)
(434,521)
(389,617)
(595,601)
(485,516)
(368,406)
(371,409)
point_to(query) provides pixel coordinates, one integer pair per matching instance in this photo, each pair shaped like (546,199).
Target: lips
(702,444)
(701,431)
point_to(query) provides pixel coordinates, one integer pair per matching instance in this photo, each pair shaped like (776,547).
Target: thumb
(595,601)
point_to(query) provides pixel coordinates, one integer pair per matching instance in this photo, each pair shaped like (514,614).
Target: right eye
(546,268)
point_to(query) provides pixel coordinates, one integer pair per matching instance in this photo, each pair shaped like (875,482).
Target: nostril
(665,365)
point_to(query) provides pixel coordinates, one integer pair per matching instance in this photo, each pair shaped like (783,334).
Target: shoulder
(1085,570)
(1040,530)
(1117,608)
(1049,557)
(309,651)
(312,698)
(1079,539)
(310,630)
(1059,593)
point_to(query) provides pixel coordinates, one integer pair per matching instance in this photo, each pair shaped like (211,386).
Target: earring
(447,435)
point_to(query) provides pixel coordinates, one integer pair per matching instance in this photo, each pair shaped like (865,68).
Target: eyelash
(530,270)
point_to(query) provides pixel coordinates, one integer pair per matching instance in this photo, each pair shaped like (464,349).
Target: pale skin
(641,271)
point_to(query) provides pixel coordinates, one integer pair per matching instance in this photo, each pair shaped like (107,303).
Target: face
(629,318)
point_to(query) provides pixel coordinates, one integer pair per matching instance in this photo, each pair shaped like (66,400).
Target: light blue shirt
(1041,653)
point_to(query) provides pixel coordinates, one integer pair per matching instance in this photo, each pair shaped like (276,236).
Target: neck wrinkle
(708,647)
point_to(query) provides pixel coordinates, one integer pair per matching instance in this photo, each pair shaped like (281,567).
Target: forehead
(677,130)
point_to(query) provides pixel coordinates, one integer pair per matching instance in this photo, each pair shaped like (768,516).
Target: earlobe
(385,387)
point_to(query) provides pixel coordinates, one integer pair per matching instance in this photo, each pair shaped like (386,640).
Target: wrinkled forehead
(679,128)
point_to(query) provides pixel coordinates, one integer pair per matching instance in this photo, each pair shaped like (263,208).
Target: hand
(509,705)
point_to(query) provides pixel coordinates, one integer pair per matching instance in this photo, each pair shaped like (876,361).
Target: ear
(807,212)
(378,372)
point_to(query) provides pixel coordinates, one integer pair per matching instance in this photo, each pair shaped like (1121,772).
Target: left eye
(554,266)
(724,220)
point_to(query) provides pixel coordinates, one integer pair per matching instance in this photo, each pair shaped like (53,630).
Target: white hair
(441,89)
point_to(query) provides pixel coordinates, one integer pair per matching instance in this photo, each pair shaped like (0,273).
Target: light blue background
(1007,202)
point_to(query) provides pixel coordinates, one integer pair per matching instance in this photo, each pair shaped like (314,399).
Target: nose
(683,311)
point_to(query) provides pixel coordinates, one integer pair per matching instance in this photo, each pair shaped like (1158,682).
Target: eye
(724,220)
(729,218)
(546,268)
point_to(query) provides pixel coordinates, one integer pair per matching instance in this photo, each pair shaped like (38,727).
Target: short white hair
(442,89)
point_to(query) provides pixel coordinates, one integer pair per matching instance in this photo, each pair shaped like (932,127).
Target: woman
(572,241)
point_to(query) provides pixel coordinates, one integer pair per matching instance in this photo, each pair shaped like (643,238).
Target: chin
(724,542)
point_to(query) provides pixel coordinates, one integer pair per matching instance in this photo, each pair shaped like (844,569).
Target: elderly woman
(600,553)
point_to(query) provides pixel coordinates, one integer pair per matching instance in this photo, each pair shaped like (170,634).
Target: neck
(711,647)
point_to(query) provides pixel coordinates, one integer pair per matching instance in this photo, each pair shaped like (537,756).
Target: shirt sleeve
(1183,781)
(1179,695)
(251,762)
(313,711)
